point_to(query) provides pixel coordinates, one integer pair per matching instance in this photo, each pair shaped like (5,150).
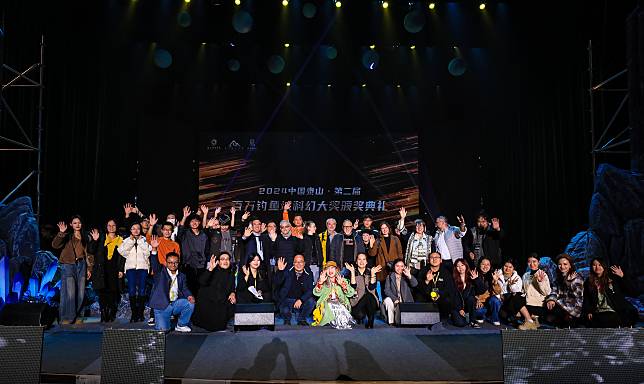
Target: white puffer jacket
(136,257)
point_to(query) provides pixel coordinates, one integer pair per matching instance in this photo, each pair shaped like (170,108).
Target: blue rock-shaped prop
(548,265)
(24,238)
(583,247)
(10,212)
(42,264)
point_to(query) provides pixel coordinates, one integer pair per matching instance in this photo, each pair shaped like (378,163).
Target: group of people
(195,270)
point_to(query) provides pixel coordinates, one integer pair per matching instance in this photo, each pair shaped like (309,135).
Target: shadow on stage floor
(300,354)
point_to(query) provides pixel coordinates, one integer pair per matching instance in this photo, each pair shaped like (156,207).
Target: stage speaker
(35,314)
(418,314)
(255,315)
(583,355)
(20,354)
(132,356)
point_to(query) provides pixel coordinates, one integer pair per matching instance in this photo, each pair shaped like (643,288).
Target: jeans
(316,272)
(493,305)
(286,309)
(181,307)
(72,289)
(136,281)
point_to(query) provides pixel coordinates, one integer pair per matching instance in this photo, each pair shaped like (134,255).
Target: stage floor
(444,354)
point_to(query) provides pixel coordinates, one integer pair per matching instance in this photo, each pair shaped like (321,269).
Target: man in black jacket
(484,240)
(294,290)
(285,245)
(436,285)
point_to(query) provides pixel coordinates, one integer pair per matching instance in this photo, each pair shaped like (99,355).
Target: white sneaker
(182,328)
(480,321)
(151,321)
(497,323)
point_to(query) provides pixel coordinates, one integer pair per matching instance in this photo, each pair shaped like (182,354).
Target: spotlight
(372,46)
(364,85)
(285,3)
(397,85)
(412,47)
(187,1)
(338,3)
(286,45)
(204,43)
(328,85)
(385,4)
(288,84)
(432,5)
(237,2)
(482,6)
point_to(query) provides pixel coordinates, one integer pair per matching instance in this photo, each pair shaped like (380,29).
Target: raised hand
(135,209)
(617,270)
(264,228)
(212,264)
(461,221)
(186,211)
(322,278)
(153,220)
(474,274)
(407,272)
(429,277)
(372,241)
(356,224)
(376,269)
(281,264)
(232,210)
(95,234)
(496,225)
(204,208)
(154,241)
(540,275)
(62,227)
(497,275)
(232,298)
(245,270)
(217,210)
(128,209)
(248,231)
(350,267)
(403,213)
(287,205)
(245,215)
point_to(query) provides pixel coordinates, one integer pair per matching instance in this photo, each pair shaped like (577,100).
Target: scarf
(111,245)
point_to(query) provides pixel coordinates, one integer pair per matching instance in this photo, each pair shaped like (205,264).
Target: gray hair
(331,219)
(285,222)
(443,218)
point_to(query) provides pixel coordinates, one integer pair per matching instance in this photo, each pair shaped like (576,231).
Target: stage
(444,354)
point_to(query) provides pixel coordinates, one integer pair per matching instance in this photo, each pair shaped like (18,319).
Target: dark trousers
(286,309)
(366,306)
(192,278)
(605,320)
(560,318)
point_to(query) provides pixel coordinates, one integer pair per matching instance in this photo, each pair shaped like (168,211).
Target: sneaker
(536,320)
(528,325)
(182,328)
(475,325)
(480,321)
(151,321)
(497,323)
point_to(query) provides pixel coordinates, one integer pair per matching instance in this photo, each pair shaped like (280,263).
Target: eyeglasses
(286,226)
(348,226)
(435,257)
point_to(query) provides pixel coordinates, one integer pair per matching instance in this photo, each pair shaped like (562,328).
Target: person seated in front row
(468,285)
(488,303)
(363,280)
(170,294)
(253,285)
(437,286)
(333,304)
(605,291)
(294,290)
(513,302)
(398,290)
(216,305)
(564,304)
(536,286)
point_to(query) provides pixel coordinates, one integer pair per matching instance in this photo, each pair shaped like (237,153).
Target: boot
(370,320)
(113,312)
(142,300)
(134,307)
(103,315)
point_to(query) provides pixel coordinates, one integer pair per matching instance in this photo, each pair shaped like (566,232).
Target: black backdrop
(510,136)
